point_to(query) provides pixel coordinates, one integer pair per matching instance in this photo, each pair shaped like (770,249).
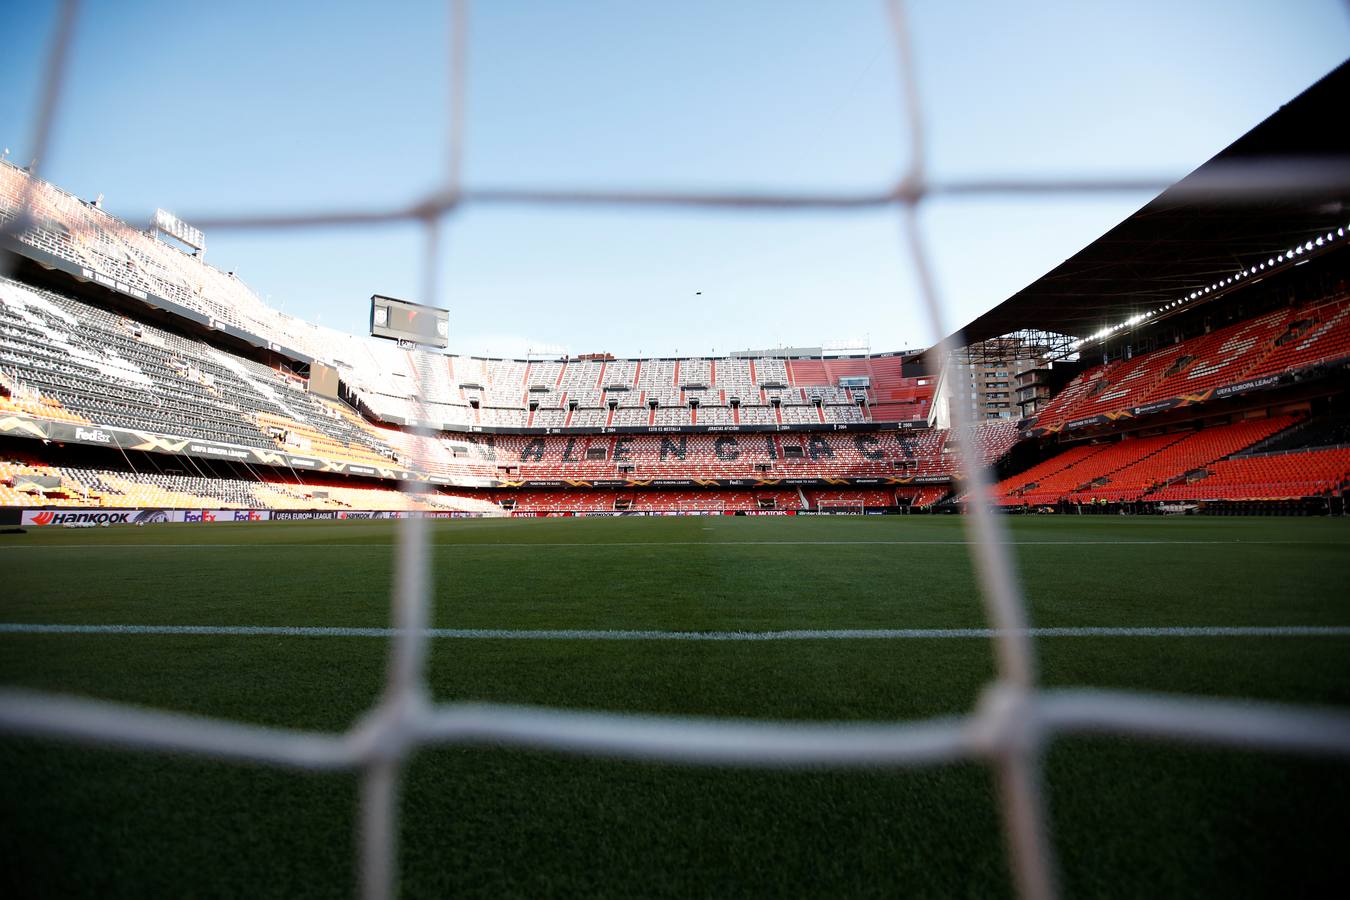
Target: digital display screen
(400,320)
(323,380)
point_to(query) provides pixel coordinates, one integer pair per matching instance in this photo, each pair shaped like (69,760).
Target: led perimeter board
(400,320)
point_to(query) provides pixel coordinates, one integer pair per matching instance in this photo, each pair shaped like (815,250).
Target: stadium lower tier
(721,501)
(1222,462)
(30,483)
(27,481)
(1131,470)
(1277,476)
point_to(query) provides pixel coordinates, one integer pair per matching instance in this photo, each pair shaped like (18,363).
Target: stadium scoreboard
(414,323)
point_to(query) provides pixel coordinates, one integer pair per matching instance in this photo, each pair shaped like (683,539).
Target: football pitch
(848,618)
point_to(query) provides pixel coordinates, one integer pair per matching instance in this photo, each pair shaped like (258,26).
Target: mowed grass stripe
(580,634)
(719,586)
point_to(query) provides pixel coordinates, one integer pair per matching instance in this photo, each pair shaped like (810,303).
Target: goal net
(843,507)
(1009,729)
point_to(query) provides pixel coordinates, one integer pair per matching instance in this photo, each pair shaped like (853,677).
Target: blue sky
(249,106)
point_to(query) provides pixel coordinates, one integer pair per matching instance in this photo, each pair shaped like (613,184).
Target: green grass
(1130,819)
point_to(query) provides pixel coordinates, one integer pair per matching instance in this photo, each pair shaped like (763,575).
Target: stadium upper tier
(450,392)
(1270,346)
(60,358)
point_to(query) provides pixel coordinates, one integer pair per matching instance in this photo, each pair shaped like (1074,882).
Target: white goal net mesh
(1009,729)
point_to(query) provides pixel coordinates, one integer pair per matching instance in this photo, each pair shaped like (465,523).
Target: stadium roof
(1192,233)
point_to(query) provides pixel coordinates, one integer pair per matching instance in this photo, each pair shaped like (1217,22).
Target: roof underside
(1189,236)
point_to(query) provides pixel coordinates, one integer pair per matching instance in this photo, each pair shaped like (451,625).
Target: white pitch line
(581,634)
(582,544)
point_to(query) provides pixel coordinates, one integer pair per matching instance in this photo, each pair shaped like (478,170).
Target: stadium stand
(651,501)
(917,452)
(1130,468)
(124,488)
(66,357)
(1314,334)
(1095,468)
(1275,476)
(382,379)
(848,500)
(77,362)
(1289,340)
(1192,451)
(1330,429)
(1047,469)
